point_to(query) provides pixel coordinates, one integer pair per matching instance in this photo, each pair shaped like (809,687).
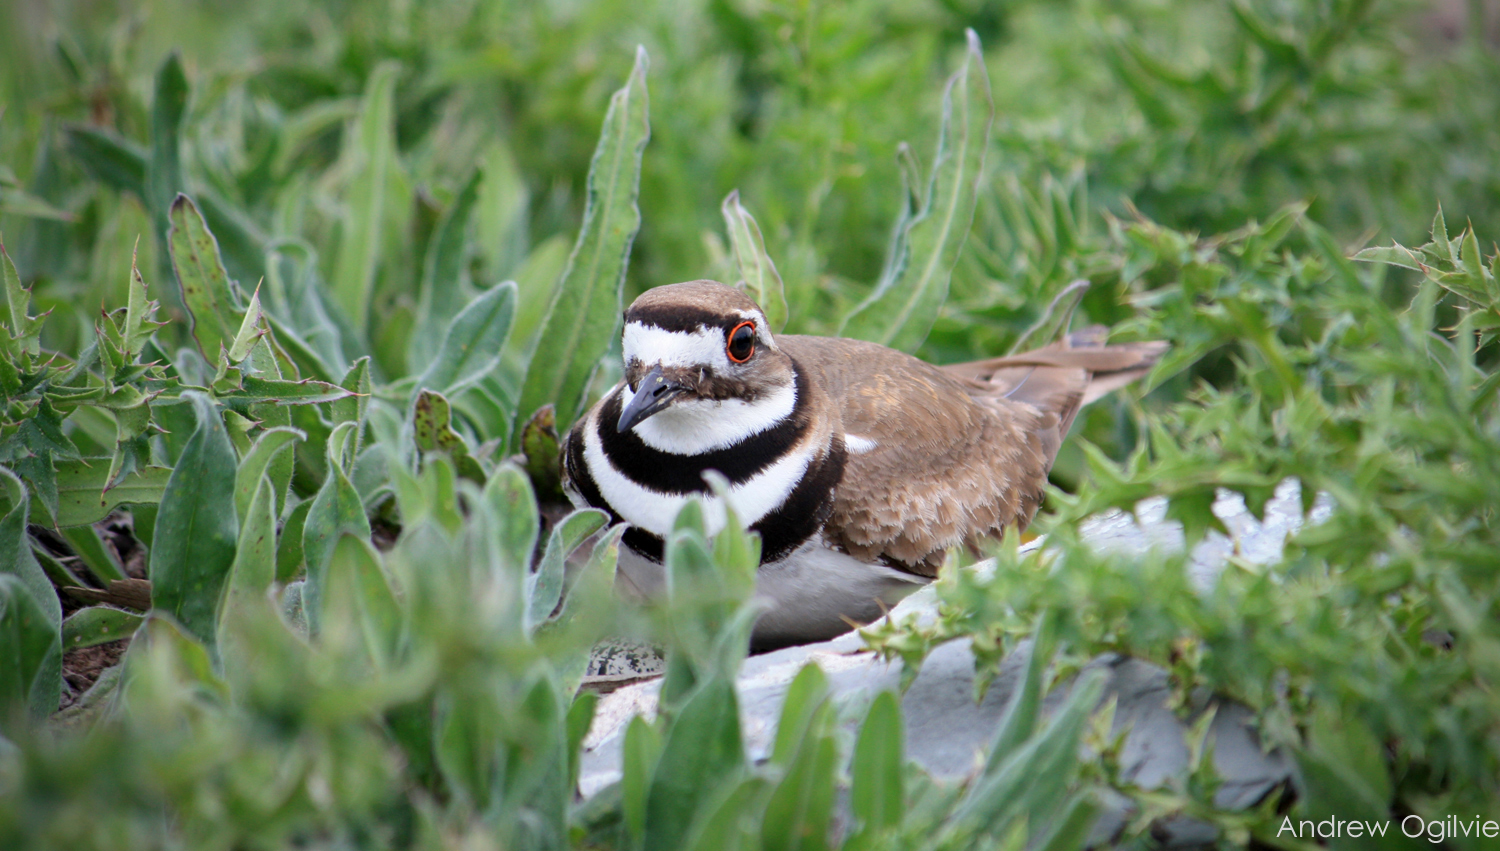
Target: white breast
(654,511)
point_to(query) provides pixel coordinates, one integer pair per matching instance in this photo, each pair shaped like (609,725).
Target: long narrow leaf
(32,674)
(257,461)
(164,170)
(197,526)
(31,620)
(442,275)
(754,263)
(91,551)
(901,314)
(117,163)
(372,150)
(701,755)
(205,283)
(807,693)
(544,587)
(98,625)
(472,342)
(1025,705)
(335,511)
(877,773)
(584,315)
(359,614)
(641,750)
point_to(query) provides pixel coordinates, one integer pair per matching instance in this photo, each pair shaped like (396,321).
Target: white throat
(696,426)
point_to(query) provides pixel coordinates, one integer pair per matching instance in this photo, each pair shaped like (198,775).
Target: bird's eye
(741,342)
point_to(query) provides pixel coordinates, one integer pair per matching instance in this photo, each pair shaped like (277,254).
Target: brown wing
(960,452)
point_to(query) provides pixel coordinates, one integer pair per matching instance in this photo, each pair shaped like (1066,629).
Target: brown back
(962,451)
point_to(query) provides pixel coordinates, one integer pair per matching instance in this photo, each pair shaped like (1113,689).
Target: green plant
(341,395)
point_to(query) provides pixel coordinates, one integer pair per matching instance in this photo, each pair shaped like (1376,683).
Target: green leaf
(115,162)
(196,526)
(735,823)
(638,757)
(308,391)
(1070,832)
(736,549)
(807,693)
(537,281)
(31,621)
(1345,764)
(250,332)
(164,170)
(352,409)
(258,461)
(701,755)
(442,275)
(471,345)
(800,811)
(205,284)
(432,427)
(1035,773)
(289,551)
(360,616)
(537,793)
(371,154)
(1440,243)
(1394,255)
(580,718)
(539,446)
(30,645)
(91,551)
(140,314)
(756,269)
(1054,320)
(98,625)
(56,571)
(1193,508)
(82,499)
(877,778)
(900,313)
(544,585)
(1021,713)
(514,517)
(584,315)
(22,333)
(335,511)
(254,568)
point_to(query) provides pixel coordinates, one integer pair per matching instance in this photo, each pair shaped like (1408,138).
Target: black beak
(652,396)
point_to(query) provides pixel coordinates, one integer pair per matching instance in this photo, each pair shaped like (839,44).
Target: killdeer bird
(859,465)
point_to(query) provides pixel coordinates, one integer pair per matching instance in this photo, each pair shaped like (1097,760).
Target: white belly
(809,593)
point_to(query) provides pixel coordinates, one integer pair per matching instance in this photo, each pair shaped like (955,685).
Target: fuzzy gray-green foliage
(304,220)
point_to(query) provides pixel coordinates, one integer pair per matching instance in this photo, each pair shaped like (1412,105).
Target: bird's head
(701,364)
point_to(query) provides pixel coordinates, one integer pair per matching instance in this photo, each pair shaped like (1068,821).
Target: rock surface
(947,732)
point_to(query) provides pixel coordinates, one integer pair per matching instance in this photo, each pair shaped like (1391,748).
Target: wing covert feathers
(960,452)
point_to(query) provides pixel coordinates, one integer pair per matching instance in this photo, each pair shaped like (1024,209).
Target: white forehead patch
(652,345)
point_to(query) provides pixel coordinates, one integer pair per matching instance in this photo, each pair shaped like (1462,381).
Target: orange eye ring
(739,346)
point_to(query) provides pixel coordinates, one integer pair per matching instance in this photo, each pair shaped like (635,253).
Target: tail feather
(1061,377)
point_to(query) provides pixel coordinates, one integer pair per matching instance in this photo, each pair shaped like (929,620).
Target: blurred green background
(1201,115)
